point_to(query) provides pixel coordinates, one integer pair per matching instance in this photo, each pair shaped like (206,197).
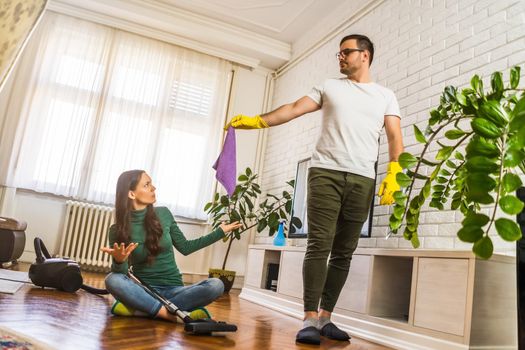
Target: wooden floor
(83,321)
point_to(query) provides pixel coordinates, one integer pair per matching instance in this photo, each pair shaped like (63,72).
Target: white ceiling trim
(179,27)
(219,5)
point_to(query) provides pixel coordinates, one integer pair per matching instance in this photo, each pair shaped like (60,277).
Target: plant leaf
(511,182)
(394,222)
(475,82)
(407,160)
(399,211)
(483,248)
(400,198)
(261,225)
(508,229)
(454,134)
(494,111)
(462,100)
(485,128)
(403,180)
(415,241)
(482,147)
(476,219)
(481,164)
(517,139)
(513,158)
(518,115)
(273,219)
(511,205)
(496,82)
(470,233)
(514,77)
(480,181)
(225,201)
(288,207)
(296,222)
(249,203)
(444,153)
(419,135)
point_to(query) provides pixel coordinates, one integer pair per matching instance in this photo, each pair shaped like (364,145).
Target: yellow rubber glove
(389,184)
(245,122)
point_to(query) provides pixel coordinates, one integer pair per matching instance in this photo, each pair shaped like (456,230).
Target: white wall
(421,46)
(247,98)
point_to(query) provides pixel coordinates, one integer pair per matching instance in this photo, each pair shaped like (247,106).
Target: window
(101,101)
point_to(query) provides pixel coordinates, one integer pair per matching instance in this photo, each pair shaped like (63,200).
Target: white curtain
(99,101)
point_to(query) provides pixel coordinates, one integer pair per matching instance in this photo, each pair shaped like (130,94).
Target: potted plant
(241,207)
(481,138)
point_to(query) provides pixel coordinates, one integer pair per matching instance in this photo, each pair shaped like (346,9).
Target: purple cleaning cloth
(226,164)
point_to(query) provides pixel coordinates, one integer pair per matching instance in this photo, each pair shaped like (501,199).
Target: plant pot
(227,277)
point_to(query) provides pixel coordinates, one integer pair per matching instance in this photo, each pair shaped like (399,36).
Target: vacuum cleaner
(59,273)
(197,327)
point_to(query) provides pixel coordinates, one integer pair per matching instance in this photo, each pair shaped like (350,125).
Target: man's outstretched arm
(278,116)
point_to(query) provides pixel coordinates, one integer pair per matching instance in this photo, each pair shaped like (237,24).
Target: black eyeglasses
(344,53)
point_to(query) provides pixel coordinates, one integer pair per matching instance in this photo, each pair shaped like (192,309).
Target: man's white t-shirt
(353,116)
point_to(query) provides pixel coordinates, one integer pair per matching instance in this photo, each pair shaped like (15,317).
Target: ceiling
(254,33)
(284,20)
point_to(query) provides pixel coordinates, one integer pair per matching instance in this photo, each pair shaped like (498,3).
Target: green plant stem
(504,144)
(227,252)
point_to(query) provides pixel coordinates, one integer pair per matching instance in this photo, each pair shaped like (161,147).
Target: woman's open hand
(230,227)
(120,252)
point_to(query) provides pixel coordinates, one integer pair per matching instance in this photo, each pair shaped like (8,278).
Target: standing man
(342,175)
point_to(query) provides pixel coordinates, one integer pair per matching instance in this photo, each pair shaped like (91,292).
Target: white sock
(310,322)
(323,321)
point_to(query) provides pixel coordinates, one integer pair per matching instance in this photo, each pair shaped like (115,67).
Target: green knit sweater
(163,271)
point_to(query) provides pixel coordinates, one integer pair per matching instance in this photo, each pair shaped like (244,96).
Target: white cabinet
(354,296)
(291,272)
(441,294)
(254,268)
(407,299)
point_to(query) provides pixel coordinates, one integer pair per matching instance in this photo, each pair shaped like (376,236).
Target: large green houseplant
(481,138)
(241,206)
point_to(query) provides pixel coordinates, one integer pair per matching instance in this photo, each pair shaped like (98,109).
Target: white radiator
(85,231)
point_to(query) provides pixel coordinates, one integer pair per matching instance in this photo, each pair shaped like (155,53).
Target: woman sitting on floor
(144,236)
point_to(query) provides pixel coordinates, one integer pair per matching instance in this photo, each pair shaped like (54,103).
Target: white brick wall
(421,46)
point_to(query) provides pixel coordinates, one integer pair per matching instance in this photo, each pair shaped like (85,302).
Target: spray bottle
(279,239)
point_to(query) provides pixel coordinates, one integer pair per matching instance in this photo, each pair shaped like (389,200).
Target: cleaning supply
(245,122)
(226,164)
(389,184)
(279,239)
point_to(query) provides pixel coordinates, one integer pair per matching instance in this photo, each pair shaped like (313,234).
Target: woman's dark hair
(363,42)
(126,182)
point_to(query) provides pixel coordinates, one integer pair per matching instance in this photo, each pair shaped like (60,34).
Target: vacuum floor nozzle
(207,327)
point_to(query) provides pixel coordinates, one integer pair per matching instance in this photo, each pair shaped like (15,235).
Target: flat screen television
(299,204)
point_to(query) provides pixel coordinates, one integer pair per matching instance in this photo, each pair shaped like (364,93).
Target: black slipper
(331,331)
(308,335)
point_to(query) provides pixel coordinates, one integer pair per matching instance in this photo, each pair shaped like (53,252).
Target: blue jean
(184,297)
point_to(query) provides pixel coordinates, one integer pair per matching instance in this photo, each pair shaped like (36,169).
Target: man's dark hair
(363,42)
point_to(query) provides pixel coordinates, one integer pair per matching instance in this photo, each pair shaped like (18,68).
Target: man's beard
(345,70)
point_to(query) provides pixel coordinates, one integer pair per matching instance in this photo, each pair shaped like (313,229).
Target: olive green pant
(338,205)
